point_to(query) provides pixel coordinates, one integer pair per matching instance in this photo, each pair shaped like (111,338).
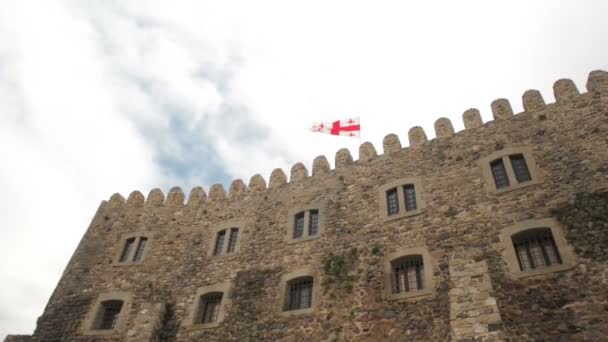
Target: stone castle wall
(474,297)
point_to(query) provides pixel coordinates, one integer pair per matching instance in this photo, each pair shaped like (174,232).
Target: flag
(349,127)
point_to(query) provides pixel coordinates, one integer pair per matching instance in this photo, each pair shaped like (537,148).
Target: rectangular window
(126,250)
(520,168)
(139,251)
(536,249)
(219,242)
(500,174)
(234,232)
(109,314)
(392,202)
(410,197)
(409,275)
(209,307)
(298,228)
(300,294)
(313,227)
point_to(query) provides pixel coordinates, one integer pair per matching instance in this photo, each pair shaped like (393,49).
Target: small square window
(300,294)
(409,274)
(133,250)
(401,198)
(209,308)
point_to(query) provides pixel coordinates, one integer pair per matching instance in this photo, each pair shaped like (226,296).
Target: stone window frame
(121,246)
(510,257)
(320,207)
(284,295)
(399,184)
(225,288)
(504,154)
(241,225)
(95,310)
(429,273)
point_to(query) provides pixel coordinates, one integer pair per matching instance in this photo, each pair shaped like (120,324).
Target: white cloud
(108,96)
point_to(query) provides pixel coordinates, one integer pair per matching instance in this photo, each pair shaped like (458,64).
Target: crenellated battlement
(565,91)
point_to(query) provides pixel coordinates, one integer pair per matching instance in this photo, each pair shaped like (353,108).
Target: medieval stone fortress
(495,233)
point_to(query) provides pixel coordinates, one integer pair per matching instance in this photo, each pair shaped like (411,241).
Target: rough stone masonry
(465,231)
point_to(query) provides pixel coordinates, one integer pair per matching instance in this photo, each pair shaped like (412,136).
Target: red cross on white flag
(349,127)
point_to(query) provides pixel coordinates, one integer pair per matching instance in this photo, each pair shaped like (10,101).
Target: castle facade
(498,232)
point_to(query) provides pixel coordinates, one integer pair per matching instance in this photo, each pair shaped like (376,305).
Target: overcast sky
(98,97)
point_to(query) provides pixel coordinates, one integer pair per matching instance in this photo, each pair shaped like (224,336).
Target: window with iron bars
(108,314)
(535,249)
(209,307)
(408,274)
(299,293)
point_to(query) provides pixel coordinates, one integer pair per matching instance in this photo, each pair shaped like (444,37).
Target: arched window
(408,274)
(108,314)
(299,294)
(535,248)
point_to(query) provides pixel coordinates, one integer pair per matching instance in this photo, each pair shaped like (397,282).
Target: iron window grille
(139,251)
(520,168)
(392,201)
(298,229)
(299,294)
(108,315)
(234,232)
(219,242)
(409,274)
(536,249)
(410,197)
(313,227)
(209,307)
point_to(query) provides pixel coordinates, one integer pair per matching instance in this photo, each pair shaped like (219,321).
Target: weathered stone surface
(474,297)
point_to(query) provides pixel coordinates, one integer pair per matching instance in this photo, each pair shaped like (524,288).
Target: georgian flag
(349,127)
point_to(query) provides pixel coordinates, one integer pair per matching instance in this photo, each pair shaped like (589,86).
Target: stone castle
(498,232)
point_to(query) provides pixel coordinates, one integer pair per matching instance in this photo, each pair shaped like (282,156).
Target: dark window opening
(500,174)
(299,293)
(234,232)
(126,250)
(108,315)
(409,274)
(535,249)
(313,227)
(209,307)
(392,202)
(139,251)
(219,242)
(410,197)
(520,168)
(298,229)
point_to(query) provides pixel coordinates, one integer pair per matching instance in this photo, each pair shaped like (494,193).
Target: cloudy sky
(98,97)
